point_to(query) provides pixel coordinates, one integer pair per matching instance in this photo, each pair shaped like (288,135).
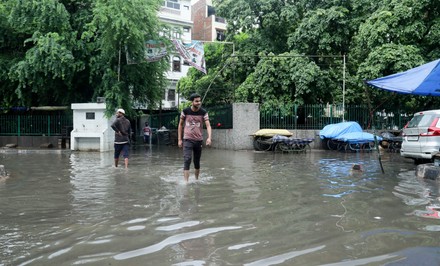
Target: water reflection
(422,193)
(248,208)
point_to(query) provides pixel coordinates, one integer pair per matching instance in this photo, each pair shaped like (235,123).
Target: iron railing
(297,117)
(219,117)
(169,120)
(34,125)
(318,116)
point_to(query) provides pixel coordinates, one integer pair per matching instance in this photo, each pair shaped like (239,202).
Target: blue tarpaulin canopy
(422,80)
(335,130)
(357,137)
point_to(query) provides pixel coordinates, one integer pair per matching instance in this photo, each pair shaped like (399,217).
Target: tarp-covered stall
(347,136)
(334,130)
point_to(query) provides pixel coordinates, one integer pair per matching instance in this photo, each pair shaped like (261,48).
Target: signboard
(192,53)
(154,51)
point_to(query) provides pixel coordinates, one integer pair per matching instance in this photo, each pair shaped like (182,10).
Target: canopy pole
(376,143)
(343,89)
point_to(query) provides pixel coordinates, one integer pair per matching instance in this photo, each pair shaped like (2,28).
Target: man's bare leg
(196,173)
(186,175)
(116,162)
(126,162)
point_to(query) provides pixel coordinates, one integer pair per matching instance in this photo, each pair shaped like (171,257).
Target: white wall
(91,129)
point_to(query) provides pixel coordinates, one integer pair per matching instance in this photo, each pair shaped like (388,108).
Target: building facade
(187,22)
(207,26)
(176,14)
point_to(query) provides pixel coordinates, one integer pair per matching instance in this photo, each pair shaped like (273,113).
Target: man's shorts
(124,148)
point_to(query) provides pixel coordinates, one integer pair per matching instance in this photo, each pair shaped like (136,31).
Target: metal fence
(219,117)
(34,125)
(318,116)
(297,117)
(169,120)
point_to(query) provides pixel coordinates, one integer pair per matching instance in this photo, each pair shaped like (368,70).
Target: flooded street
(248,208)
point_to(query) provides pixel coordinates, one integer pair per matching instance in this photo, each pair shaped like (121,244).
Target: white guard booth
(91,129)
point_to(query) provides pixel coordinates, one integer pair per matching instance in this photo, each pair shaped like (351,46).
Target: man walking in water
(122,129)
(190,134)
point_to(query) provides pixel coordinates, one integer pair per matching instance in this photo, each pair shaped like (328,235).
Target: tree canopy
(55,52)
(291,52)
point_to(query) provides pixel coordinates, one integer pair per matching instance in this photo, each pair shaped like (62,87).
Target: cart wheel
(342,146)
(332,144)
(297,147)
(371,145)
(256,146)
(264,145)
(306,147)
(354,146)
(283,147)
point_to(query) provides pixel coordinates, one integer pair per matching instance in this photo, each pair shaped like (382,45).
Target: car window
(421,121)
(415,121)
(426,120)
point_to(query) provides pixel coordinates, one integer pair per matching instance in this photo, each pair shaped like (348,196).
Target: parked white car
(421,136)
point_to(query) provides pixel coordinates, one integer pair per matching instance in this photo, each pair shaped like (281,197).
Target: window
(220,20)
(176,64)
(165,33)
(174,4)
(171,95)
(177,34)
(186,29)
(90,116)
(421,120)
(210,11)
(220,35)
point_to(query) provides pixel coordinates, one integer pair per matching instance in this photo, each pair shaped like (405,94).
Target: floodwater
(248,208)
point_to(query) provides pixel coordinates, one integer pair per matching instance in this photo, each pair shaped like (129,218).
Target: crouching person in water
(122,129)
(190,134)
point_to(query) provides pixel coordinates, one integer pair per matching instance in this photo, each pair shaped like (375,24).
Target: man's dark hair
(193,96)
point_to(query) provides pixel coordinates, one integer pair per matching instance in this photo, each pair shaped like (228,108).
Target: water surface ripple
(248,208)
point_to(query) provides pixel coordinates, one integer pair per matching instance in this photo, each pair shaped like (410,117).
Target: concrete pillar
(245,121)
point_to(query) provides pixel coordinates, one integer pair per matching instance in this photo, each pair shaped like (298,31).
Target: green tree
(55,52)
(118,28)
(44,64)
(287,28)
(386,60)
(286,79)
(377,37)
(325,35)
(215,87)
(398,36)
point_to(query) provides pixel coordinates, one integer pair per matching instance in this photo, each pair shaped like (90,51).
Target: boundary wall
(246,121)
